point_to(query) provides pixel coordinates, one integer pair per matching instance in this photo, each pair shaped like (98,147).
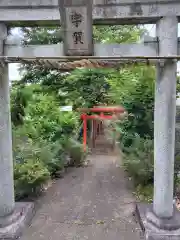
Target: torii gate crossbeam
(46,12)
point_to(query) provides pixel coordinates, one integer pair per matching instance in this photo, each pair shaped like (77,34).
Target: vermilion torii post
(101,110)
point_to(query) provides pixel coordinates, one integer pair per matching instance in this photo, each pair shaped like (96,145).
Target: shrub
(38,144)
(176,172)
(86,87)
(75,151)
(144,193)
(52,155)
(68,126)
(29,177)
(49,153)
(134,89)
(35,160)
(140,161)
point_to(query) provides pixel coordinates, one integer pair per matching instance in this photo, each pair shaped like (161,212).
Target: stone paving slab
(88,203)
(83,232)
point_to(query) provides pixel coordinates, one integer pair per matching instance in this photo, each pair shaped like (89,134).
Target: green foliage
(117,34)
(134,89)
(86,87)
(139,162)
(19,99)
(178,84)
(42,135)
(177,165)
(38,141)
(176,172)
(43,114)
(39,35)
(25,148)
(76,152)
(144,193)
(52,156)
(32,154)
(80,88)
(29,177)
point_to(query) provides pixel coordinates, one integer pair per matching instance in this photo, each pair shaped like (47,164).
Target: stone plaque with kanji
(78,28)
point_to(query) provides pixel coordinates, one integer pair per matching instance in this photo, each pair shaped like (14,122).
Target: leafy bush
(134,89)
(25,149)
(144,193)
(139,162)
(29,177)
(52,156)
(19,100)
(176,172)
(38,142)
(40,156)
(86,87)
(75,151)
(68,125)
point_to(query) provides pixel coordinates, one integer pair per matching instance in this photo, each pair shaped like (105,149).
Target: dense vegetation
(45,139)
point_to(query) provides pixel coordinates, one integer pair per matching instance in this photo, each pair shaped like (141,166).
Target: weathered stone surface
(6,158)
(76,18)
(18,12)
(154,228)
(164,119)
(11,227)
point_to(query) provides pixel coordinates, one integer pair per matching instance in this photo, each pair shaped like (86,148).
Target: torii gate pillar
(13,216)
(163,220)
(6,162)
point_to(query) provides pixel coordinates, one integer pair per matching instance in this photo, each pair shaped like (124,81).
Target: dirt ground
(94,202)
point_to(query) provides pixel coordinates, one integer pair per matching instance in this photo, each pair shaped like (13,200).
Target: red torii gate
(102,116)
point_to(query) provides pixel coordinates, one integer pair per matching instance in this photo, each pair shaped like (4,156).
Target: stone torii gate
(77,16)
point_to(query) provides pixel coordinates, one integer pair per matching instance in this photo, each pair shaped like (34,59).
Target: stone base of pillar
(11,227)
(155,228)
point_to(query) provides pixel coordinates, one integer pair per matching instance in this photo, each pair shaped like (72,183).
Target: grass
(144,193)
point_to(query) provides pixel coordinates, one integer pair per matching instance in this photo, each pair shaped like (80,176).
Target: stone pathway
(88,203)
